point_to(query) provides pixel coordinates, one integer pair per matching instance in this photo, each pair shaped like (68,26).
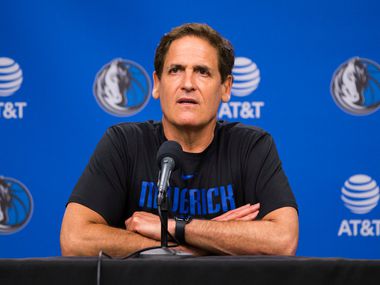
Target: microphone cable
(166,229)
(99,265)
(133,254)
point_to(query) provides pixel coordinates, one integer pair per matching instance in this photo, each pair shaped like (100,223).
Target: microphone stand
(164,250)
(163,209)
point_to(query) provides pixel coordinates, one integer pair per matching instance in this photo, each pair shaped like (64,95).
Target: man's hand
(146,224)
(244,213)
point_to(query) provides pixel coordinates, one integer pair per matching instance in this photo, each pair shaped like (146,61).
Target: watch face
(184,219)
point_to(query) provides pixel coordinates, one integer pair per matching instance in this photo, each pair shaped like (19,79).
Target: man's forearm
(244,237)
(95,237)
(85,232)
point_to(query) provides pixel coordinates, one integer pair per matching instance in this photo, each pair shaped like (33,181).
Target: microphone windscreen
(170,149)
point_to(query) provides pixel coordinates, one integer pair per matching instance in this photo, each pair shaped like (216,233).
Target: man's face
(190,88)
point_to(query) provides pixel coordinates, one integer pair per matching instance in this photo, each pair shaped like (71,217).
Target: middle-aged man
(231,183)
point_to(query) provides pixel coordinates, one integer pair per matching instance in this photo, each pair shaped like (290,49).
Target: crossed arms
(85,232)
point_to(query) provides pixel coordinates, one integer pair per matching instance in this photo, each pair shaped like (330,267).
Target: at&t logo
(11,78)
(360,194)
(16,205)
(122,88)
(246,80)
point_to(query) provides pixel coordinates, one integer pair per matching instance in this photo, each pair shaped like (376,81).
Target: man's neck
(191,139)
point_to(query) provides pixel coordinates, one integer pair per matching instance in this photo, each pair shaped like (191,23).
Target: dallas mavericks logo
(16,205)
(360,194)
(355,86)
(122,88)
(10,76)
(246,77)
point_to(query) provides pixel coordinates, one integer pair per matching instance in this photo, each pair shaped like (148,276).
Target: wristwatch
(180,224)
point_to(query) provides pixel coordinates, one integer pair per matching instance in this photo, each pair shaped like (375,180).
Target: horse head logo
(5,199)
(122,87)
(356,86)
(16,205)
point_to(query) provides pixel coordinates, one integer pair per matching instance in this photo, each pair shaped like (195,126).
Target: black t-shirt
(240,166)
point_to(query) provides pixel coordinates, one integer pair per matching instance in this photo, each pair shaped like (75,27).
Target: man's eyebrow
(197,68)
(176,65)
(202,67)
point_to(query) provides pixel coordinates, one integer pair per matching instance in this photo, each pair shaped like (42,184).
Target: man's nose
(188,81)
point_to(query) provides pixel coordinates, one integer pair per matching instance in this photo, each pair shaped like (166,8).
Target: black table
(196,271)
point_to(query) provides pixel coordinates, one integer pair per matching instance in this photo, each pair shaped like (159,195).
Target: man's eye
(174,70)
(203,71)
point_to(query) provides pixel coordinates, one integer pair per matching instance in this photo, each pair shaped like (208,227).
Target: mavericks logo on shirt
(193,202)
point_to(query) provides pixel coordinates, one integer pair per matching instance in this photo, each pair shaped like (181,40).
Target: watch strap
(180,231)
(180,224)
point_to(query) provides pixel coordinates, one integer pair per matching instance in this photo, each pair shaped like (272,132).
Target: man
(231,182)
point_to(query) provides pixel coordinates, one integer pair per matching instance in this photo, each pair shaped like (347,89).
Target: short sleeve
(271,185)
(102,186)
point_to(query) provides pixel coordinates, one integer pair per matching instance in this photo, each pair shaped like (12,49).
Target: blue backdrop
(305,88)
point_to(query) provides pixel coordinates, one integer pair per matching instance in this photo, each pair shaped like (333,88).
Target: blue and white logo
(355,86)
(246,77)
(16,205)
(10,76)
(122,87)
(360,194)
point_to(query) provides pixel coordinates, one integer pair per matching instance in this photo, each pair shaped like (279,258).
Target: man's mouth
(186,101)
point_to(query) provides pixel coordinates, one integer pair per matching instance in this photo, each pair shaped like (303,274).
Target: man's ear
(227,85)
(156,85)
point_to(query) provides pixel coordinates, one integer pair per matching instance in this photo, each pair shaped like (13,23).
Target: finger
(141,214)
(243,209)
(237,209)
(150,218)
(242,213)
(218,218)
(231,212)
(134,221)
(249,217)
(129,224)
(127,221)
(255,206)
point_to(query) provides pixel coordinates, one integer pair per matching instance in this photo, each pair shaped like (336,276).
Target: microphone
(168,159)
